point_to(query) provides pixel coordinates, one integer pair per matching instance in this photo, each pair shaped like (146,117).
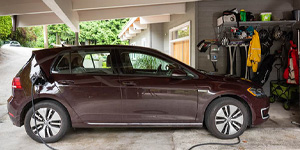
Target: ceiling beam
(37,19)
(23,7)
(104,4)
(63,9)
(127,12)
(155,19)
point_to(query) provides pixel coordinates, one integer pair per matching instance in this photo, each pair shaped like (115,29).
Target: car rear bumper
(13,114)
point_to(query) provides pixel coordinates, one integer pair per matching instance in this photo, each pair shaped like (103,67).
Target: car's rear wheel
(52,122)
(226,118)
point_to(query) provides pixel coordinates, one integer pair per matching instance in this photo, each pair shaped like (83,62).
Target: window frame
(150,52)
(56,59)
(171,40)
(99,49)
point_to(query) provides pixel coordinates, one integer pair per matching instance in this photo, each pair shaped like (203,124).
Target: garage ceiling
(71,12)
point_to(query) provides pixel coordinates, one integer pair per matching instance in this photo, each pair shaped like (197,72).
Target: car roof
(54,51)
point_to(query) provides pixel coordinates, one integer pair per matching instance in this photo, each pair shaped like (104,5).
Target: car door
(88,81)
(150,94)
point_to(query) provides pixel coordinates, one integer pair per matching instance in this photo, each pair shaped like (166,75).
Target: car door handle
(66,82)
(129,83)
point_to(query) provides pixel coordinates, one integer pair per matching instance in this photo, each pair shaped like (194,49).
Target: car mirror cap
(179,73)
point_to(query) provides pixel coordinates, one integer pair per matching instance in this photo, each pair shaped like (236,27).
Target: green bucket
(266,16)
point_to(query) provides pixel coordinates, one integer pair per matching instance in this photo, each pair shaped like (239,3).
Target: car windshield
(14,42)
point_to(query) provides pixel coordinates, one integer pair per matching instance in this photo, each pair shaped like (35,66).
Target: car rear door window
(62,64)
(85,62)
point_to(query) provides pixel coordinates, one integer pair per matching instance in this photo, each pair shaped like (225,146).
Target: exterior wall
(145,34)
(177,20)
(159,33)
(208,12)
(157,36)
(153,36)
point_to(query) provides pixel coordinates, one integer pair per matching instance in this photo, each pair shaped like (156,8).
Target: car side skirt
(147,124)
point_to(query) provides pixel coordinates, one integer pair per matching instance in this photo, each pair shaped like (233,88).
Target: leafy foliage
(102,32)
(5,27)
(147,62)
(30,36)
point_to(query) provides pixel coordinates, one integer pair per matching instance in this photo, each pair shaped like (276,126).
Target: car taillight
(16,83)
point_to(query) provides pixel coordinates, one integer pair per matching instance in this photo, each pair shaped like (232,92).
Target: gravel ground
(275,134)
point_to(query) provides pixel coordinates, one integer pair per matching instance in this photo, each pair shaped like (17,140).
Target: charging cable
(33,109)
(238,142)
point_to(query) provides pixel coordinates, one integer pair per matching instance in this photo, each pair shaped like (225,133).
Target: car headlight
(258,92)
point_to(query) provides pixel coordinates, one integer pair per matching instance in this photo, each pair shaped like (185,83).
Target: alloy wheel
(48,122)
(229,119)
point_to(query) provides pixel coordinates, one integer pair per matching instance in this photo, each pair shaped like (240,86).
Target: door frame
(171,42)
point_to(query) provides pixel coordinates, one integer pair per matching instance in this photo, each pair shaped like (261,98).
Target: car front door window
(136,63)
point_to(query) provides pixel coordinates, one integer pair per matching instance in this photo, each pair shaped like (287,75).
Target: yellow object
(254,53)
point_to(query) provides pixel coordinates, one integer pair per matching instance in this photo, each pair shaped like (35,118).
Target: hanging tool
(246,52)
(232,56)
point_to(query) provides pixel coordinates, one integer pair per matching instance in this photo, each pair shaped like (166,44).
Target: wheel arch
(235,97)
(38,100)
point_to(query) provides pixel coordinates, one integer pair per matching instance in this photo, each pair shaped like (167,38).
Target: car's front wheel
(51,122)
(226,118)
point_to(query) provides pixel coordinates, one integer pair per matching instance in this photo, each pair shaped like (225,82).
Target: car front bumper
(260,110)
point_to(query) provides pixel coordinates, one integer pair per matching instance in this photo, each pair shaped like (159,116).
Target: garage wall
(177,20)
(208,12)
(296,4)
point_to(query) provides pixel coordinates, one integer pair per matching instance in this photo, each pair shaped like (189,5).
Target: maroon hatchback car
(126,86)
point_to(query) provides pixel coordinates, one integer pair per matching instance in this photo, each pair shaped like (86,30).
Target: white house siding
(137,40)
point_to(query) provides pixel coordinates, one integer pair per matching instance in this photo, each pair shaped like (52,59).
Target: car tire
(227,118)
(52,121)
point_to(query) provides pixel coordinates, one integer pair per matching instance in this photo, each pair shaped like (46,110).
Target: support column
(45,36)
(76,39)
(57,39)
(14,26)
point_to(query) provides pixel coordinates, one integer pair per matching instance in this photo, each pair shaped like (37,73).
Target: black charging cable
(35,81)
(227,144)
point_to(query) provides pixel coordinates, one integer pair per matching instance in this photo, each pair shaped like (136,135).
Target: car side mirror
(179,73)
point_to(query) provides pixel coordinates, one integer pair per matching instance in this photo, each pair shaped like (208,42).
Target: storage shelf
(259,23)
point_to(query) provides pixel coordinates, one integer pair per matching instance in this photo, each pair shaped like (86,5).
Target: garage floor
(277,133)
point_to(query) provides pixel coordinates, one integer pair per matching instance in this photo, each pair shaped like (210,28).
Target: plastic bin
(266,16)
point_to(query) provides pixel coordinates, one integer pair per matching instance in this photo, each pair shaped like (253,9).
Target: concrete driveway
(277,133)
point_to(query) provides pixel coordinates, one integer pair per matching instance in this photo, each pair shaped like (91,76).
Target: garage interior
(161,20)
